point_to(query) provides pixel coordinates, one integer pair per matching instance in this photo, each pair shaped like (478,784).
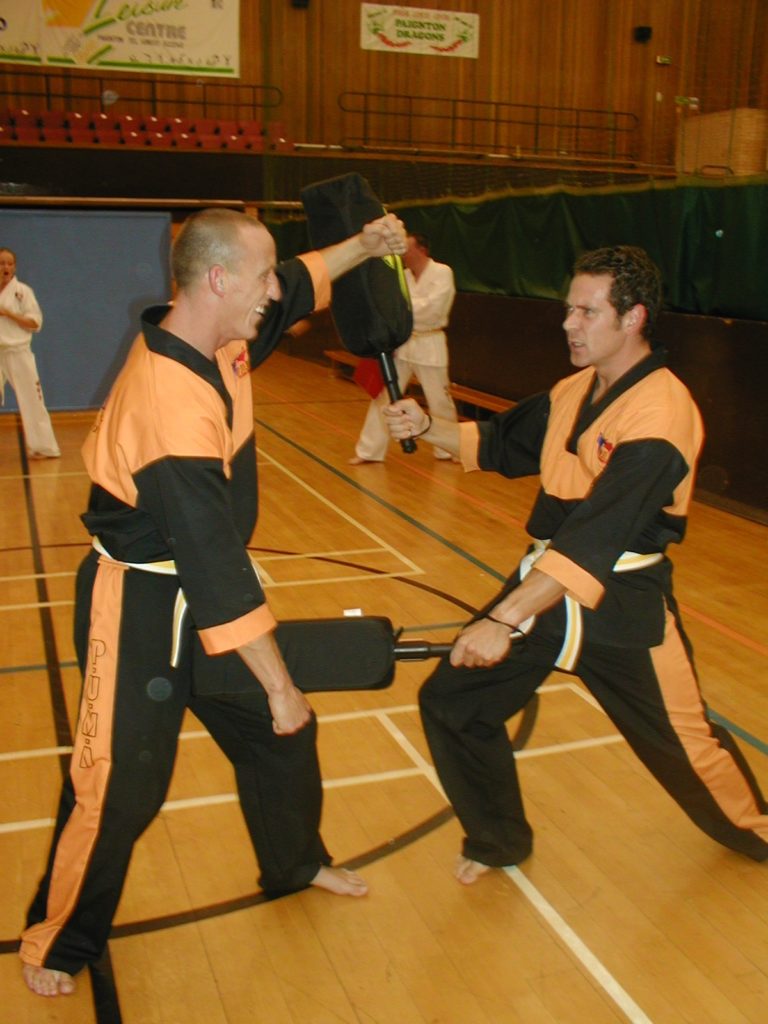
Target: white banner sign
(418,30)
(180,37)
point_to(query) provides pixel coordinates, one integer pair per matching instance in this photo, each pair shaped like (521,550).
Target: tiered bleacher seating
(61,127)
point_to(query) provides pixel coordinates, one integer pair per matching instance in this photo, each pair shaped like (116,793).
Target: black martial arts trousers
(131,712)
(653,699)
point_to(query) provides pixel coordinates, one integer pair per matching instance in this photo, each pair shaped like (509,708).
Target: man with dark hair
(616,446)
(425,354)
(169,592)
(636,279)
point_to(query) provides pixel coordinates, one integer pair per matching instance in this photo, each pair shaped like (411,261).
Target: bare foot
(340,881)
(468,871)
(356,460)
(42,455)
(46,982)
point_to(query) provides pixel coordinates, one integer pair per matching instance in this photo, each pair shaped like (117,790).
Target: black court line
(61,724)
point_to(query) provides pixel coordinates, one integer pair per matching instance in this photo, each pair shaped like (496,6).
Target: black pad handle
(420,650)
(389,373)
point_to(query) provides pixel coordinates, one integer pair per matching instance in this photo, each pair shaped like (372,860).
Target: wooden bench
(480,399)
(470,396)
(340,357)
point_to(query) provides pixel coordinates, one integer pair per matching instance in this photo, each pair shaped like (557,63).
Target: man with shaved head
(169,597)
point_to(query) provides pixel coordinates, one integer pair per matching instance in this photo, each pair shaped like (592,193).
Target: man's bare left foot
(46,982)
(468,871)
(340,881)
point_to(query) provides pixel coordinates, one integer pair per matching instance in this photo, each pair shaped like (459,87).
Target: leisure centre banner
(179,37)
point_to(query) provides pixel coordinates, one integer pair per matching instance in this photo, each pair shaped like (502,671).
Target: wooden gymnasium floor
(624,913)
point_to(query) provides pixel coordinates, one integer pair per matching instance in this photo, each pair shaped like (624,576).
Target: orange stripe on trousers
(90,767)
(711,762)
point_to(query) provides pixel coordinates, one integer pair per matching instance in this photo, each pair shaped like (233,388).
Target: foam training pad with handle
(371,306)
(347,653)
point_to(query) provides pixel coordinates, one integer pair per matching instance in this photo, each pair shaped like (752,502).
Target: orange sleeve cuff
(231,635)
(579,584)
(321,281)
(469,442)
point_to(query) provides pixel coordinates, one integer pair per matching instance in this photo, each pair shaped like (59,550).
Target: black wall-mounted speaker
(299,3)
(642,33)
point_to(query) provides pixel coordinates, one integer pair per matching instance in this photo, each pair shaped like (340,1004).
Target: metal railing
(433,124)
(164,95)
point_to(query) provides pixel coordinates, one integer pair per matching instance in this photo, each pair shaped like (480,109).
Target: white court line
(562,930)
(358,577)
(42,476)
(36,576)
(583,954)
(26,826)
(318,554)
(562,748)
(35,604)
(342,514)
(24,755)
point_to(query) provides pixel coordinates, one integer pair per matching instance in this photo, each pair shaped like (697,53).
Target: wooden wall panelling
(554,52)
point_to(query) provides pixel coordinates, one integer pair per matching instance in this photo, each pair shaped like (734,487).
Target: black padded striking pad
(371,305)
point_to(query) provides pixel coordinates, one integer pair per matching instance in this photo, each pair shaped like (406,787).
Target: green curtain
(709,240)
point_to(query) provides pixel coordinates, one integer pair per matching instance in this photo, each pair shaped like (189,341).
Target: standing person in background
(20,318)
(424,355)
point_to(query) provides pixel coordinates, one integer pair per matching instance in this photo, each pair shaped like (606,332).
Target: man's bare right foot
(468,871)
(45,982)
(340,881)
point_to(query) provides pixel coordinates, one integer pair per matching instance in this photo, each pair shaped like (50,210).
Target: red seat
(244,143)
(130,138)
(252,128)
(26,133)
(54,119)
(234,142)
(205,126)
(178,125)
(278,137)
(161,139)
(228,127)
(129,123)
(207,140)
(55,135)
(101,122)
(81,136)
(152,123)
(107,137)
(21,118)
(184,140)
(77,120)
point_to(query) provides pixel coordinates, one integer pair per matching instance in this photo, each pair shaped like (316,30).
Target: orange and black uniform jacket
(173,462)
(616,476)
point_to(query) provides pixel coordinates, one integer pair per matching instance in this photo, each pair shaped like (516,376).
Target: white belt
(163,568)
(629,561)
